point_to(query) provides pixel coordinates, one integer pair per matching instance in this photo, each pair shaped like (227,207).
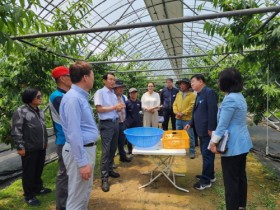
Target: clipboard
(222,144)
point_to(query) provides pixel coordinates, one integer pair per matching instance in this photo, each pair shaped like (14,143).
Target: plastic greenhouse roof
(179,40)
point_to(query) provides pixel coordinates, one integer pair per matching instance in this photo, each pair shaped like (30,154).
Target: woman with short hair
(232,117)
(30,136)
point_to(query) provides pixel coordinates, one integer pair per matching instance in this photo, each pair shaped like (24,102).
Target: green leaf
(22,3)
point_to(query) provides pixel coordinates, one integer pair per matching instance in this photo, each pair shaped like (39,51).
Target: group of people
(193,108)
(76,133)
(198,113)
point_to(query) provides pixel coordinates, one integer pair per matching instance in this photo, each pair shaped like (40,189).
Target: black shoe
(114,174)
(105,186)
(211,180)
(126,159)
(32,201)
(201,186)
(44,191)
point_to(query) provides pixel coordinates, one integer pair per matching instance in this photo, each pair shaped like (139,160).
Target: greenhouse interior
(144,42)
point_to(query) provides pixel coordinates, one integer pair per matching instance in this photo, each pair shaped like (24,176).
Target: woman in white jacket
(150,105)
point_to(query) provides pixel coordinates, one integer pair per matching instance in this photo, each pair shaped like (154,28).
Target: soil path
(124,192)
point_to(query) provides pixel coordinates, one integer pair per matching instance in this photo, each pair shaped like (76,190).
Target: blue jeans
(208,159)
(180,124)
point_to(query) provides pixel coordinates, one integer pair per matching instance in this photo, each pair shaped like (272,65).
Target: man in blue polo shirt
(107,107)
(61,76)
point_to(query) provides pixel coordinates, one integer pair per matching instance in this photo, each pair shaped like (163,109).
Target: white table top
(158,150)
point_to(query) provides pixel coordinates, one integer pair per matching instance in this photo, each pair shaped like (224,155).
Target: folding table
(163,160)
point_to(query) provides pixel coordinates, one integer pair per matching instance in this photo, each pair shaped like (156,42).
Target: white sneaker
(201,186)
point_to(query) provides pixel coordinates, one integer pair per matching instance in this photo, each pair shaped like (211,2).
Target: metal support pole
(184,74)
(171,57)
(149,70)
(152,23)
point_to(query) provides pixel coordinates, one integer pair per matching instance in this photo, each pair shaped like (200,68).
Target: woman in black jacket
(30,136)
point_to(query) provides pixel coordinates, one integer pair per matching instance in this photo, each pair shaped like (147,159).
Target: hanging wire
(267,98)
(267,110)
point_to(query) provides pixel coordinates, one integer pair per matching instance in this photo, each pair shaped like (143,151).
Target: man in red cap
(61,76)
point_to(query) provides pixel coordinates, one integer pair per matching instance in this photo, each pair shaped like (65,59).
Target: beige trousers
(150,119)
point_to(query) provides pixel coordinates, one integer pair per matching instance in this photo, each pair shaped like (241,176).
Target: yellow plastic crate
(175,139)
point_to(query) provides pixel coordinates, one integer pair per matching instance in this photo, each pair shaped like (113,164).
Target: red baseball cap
(60,71)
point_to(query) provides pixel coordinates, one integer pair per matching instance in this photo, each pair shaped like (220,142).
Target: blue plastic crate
(143,136)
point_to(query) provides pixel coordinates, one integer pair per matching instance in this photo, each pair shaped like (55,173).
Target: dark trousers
(121,141)
(208,159)
(129,147)
(109,132)
(168,113)
(61,181)
(32,168)
(195,138)
(235,181)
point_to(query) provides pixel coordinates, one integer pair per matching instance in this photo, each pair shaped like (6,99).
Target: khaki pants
(150,119)
(78,189)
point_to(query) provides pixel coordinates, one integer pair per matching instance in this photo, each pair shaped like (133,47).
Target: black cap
(185,80)
(119,83)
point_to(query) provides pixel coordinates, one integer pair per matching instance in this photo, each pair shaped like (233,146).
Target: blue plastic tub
(143,136)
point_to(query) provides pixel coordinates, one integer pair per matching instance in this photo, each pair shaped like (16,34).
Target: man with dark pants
(61,76)
(119,86)
(107,107)
(79,151)
(133,119)
(167,98)
(204,121)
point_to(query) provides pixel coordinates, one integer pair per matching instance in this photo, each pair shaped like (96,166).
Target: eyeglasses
(39,96)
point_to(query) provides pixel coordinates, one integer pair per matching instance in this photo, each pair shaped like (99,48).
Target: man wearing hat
(107,107)
(61,76)
(119,87)
(133,108)
(183,107)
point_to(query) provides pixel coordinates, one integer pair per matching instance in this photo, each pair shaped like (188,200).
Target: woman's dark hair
(105,76)
(230,81)
(199,77)
(29,94)
(78,70)
(151,83)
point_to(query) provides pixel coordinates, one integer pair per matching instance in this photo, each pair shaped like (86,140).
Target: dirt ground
(124,192)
